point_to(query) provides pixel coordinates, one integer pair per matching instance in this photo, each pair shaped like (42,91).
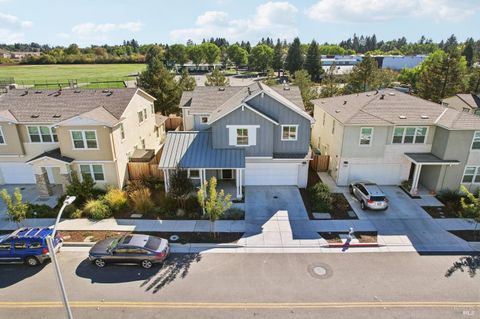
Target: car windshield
(377,198)
(113,244)
(153,243)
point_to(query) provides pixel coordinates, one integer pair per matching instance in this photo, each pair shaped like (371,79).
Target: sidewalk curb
(339,245)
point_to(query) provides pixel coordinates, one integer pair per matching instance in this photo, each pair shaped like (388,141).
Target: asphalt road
(378,285)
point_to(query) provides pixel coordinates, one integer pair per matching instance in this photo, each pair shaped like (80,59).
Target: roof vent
(109,93)
(34,116)
(24,93)
(105,91)
(424,117)
(38,92)
(382,97)
(391,93)
(221,88)
(376,92)
(337,111)
(56,116)
(286,87)
(402,117)
(77,91)
(249,91)
(368,94)
(344,102)
(58,93)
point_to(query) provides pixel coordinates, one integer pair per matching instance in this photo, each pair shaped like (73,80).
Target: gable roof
(52,106)
(53,154)
(207,99)
(471,100)
(391,107)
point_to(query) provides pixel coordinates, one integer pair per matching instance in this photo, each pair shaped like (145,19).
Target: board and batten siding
(284,116)
(264,140)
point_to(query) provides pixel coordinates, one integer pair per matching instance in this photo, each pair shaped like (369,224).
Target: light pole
(51,249)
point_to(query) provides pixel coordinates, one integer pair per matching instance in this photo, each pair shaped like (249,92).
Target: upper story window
(366,134)
(476,141)
(242,136)
(2,137)
(204,119)
(84,139)
(289,132)
(471,174)
(152,108)
(42,134)
(145,113)
(142,142)
(122,131)
(92,170)
(409,135)
(140,117)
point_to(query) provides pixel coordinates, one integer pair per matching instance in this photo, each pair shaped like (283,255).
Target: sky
(89,22)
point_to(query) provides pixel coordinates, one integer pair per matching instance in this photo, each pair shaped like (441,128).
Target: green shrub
(141,200)
(234,214)
(151,182)
(97,209)
(449,196)
(41,211)
(77,213)
(321,197)
(407,184)
(116,198)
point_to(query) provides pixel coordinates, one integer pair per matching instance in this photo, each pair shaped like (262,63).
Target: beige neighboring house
(469,103)
(388,137)
(45,135)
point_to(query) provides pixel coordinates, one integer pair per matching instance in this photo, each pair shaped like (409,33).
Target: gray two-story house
(389,137)
(253,135)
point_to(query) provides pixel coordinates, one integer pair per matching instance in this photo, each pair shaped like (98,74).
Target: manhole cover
(174,238)
(320,270)
(275,197)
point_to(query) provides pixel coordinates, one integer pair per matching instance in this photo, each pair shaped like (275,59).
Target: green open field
(49,75)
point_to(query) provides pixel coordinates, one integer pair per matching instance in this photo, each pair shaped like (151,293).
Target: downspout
(114,156)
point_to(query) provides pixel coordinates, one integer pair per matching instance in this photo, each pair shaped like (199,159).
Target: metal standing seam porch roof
(429,159)
(195,150)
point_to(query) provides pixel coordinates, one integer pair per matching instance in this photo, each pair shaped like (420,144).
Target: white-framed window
(157,132)
(242,136)
(140,117)
(2,137)
(366,134)
(409,135)
(324,118)
(471,175)
(204,119)
(477,112)
(289,132)
(333,127)
(145,114)
(42,134)
(152,108)
(194,173)
(122,131)
(95,171)
(142,142)
(84,139)
(476,141)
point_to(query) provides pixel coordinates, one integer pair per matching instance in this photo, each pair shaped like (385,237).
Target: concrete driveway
(406,222)
(276,217)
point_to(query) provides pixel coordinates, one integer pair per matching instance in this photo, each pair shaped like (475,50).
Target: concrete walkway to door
(276,217)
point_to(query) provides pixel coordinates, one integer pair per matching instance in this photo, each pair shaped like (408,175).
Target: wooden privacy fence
(319,163)
(172,123)
(138,170)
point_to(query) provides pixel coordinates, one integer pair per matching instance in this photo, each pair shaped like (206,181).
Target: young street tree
(180,186)
(441,75)
(186,81)
(364,76)
(238,55)
(313,62)
(213,202)
(294,59)
(471,207)
(157,81)
(330,84)
(261,57)
(217,78)
(278,59)
(308,92)
(16,210)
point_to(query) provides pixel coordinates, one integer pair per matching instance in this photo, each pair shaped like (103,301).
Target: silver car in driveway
(369,195)
(130,249)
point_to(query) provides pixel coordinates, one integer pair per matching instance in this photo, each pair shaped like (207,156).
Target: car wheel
(362,205)
(32,261)
(350,188)
(147,264)
(100,263)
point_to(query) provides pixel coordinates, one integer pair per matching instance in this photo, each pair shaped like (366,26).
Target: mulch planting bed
(185,237)
(340,205)
(363,237)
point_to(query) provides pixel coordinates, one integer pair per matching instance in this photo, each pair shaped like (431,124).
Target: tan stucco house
(45,135)
(389,137)
(469,103)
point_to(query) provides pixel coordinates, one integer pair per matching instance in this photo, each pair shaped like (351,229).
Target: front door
(227,174)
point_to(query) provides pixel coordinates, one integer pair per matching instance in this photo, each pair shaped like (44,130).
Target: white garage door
(17,173)
(271,174)
(382,174)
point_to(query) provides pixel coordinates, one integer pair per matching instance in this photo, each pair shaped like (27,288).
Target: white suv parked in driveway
(369,195)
